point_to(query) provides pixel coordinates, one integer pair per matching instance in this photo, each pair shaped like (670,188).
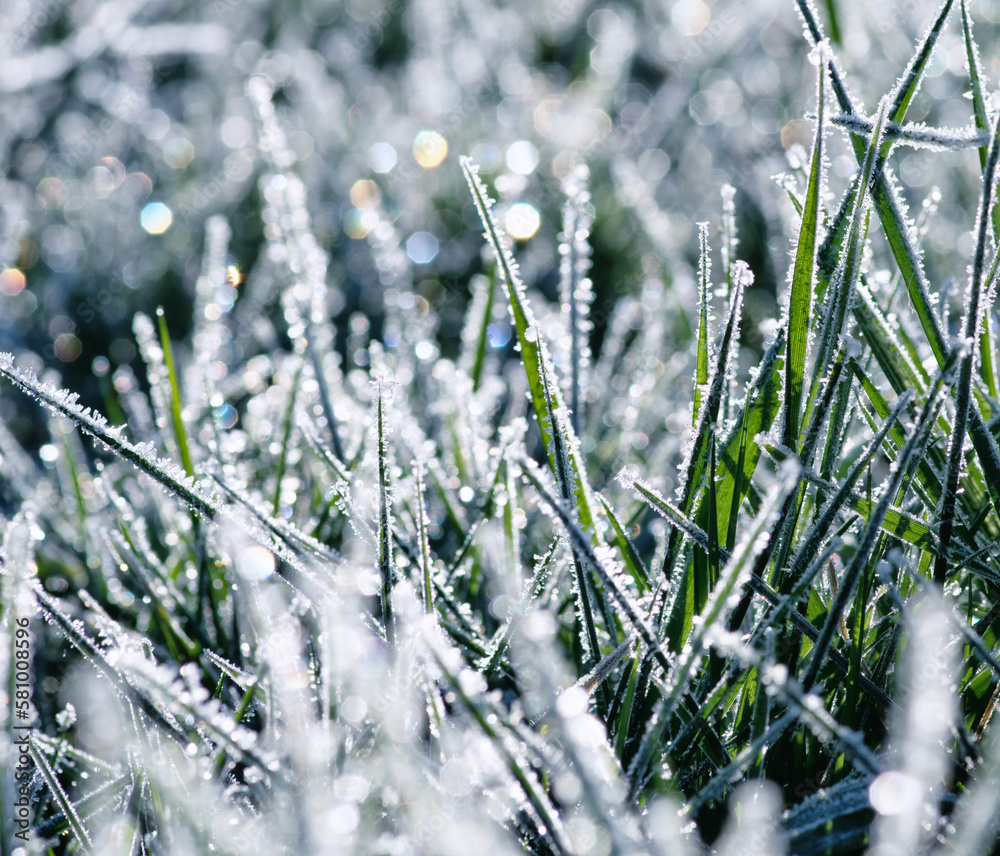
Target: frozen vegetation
(455,427)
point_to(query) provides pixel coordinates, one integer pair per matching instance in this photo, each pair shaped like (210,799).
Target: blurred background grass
(126,125)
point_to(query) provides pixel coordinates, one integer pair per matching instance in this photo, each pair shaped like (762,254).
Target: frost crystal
(627,477)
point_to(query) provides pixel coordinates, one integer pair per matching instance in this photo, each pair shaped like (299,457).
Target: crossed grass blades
(417,615)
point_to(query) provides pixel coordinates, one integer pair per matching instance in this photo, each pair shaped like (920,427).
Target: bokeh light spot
(690,17)
(522,221)
(365,194)
(422,247)
(156,218)
(178,153)
(255,563)
(358,223)
(522,157)
(381,157)
(429,149)
(12,281)
(67,347)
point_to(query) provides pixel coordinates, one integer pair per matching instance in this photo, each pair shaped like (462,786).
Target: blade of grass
(62,799)
(801,297)
(693,469)
(528,335)
(987,345)
(841,293)
(386,565)
(288,426)
(631,558)
(180,433)
(736,573)
(701,362)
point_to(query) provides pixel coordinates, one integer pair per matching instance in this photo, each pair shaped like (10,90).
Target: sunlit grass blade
(841,293)
(887,204)
(987,342)
(476,339)
(585,591)
(528,334)
(176,406)
(426,567)
(910,81)
(701,360)
(172,478)
(780,539)
(801,295)
(694,467)
(575,286)
(740,451)
(386,561)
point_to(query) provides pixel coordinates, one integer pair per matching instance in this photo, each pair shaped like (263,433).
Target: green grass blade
(582,546)
(713,519)
(840,295)
(476,339)
(558,423)
(529,338)
(180,433)
(823,526)
(987,344)
(900,369)
(738,477)
(871,532)
(740,452)
(386,564)
(426,566)
(62,799)
(801,296)
(633,563)
(737,572)
(701,361)
(693,470)
(912,77)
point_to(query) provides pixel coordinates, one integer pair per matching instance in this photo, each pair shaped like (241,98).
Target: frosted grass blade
(701,361)
(528,335)
(575,286)
(801,297)
(62,799)
(176,406)
(841,292)
(386,563)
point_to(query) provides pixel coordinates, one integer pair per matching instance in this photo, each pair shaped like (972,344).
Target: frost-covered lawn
(434,428)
